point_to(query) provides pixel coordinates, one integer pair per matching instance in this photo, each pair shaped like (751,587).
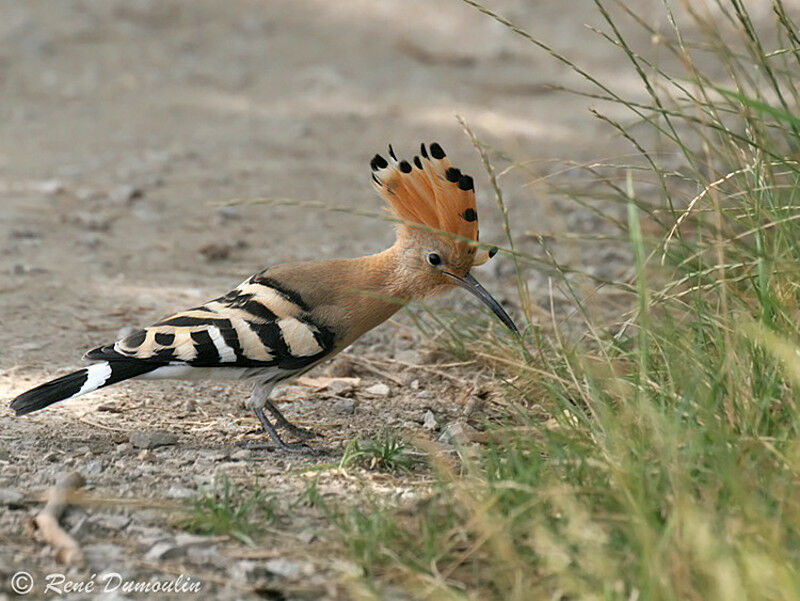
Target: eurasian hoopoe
(284,320)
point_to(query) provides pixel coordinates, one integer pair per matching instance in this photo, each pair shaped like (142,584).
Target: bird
(287,319)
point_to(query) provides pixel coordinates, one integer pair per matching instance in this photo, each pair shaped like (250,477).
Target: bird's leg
(282,422)
(258,399)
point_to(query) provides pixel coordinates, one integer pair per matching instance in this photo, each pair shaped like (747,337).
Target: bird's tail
(79,382)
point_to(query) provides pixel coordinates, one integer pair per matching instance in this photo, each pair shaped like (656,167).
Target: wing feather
(254,325)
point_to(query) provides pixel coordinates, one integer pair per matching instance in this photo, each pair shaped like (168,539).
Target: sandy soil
(123,122)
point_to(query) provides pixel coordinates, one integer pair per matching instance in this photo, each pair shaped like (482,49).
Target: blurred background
(122,123)
(133,133)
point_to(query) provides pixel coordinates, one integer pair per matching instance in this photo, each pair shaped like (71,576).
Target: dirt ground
(123,122)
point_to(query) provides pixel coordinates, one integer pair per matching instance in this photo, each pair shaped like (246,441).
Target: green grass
(225,509)
(654,456)
(387,452)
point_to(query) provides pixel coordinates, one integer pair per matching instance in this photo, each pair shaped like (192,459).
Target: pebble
(460,432)
(454,432)
(51,186)
(242,455)
(288,568)
(144,439)
(340,388)
(125,194)
(429,421)
(93,468)
(249,571)
(180,492)
(11,498)
(228,213)
(164,550)
(379,389)
(345,406)
(474,404)
(177,547)
(23,269)
(111,521)
(207,556)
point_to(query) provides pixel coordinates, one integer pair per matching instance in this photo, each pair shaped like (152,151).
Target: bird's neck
(373,288)
(351,295)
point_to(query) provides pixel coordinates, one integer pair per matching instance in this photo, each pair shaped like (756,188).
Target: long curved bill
(470,283)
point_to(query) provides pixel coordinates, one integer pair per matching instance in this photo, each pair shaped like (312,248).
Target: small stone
(242,455)
(453,433)
(180,492)
(144,439)
(460,432)
(287,568)
(125,194)
(212,455)
(108,408)
(414,384)
(379,389)
(111,521)
(228,213)
(345,406)
(164,550)
(11,498)
(51,186)
(93,468)
(307,536)
(249,572)
(474,404)
(207,556)
(189,406)
(24,269)
(429,421)
(340,388)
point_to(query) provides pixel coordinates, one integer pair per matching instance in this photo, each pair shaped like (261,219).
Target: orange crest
(428,191)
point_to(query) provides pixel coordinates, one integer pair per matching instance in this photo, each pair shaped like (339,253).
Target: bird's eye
(434,259)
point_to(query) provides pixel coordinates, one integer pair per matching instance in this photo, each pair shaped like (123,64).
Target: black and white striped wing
(253,326)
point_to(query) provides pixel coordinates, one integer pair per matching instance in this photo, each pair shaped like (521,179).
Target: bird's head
(438,223)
